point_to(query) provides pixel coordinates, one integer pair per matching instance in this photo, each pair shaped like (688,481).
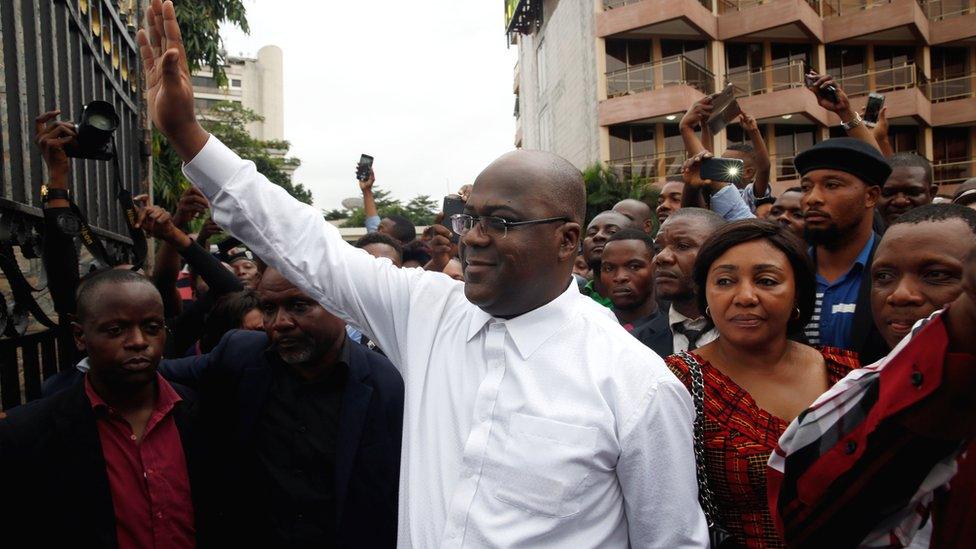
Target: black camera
(98,122)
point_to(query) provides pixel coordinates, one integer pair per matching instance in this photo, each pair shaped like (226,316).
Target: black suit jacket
(233,382)
(54,487)
(655,332)
(865,337)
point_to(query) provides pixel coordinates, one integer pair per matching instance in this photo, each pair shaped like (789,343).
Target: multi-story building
(608,80)
(256,83)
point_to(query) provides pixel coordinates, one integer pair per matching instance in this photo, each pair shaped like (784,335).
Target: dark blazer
(54,487)
(655,332)
(865,337)
(233,382)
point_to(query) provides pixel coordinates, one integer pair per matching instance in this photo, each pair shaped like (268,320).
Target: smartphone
(365,164)
(722,169)
(452,205)
(828,92)
(873,110)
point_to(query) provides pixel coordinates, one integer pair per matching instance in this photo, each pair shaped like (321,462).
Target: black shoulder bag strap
(717,535)
(140,247)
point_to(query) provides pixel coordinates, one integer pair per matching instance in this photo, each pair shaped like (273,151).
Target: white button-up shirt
(555,428)
(680,339)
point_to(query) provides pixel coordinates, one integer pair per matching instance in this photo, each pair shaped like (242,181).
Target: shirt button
(850,447)
(917,379)
(159,515)
(132,437)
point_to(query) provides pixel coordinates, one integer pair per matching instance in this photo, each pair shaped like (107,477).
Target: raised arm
(842,108)
(294,238)
(369,203)
(760,182)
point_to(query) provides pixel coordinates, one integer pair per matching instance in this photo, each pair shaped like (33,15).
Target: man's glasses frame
(494,226)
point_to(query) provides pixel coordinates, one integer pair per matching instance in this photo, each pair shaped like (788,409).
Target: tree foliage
(420,210)
(604,188)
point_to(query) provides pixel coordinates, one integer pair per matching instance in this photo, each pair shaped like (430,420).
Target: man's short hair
(938,212)
(227,314)
(633,234)
(793,190)
(403,229)
(912,160)
(711,219)
(89,289)
(380,238)
(416,251)
(770,200)
(745,148)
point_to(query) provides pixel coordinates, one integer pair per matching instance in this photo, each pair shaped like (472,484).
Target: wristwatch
(855,122)
(48,194)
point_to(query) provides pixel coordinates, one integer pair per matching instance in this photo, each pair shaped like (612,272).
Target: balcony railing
(784,167)
(610,4)
(950,89)
(653,166)
(885,80)
(671,71)
(768,79)
(937,10)
(729,6)
(833,8)
(954,172)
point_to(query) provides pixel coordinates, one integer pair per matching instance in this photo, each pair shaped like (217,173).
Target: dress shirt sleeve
(372,223)
(728,203)
(656,471)
(294,238)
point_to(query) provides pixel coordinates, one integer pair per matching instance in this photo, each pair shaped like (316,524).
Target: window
(632,141)
(744,63)
(791,141)
(949,79)
(695,50)
(203,105)
(848,64)
(235,83)
(203,81)
(950,144)
(784,54)
(540,67)
(893,66)
(627,53)
(903,138)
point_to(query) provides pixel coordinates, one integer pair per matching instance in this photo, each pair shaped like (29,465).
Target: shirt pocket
(543,465)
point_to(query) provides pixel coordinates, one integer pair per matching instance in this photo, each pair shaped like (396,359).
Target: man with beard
(598,233)
(627,271)
(304,426)
(676,247)
(841,180)
(788,211)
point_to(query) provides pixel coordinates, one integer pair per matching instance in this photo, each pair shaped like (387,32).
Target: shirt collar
(530,330)
(674,317)
(166,397)
(865,255)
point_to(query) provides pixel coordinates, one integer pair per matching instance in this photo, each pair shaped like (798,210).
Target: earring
(708,313)
(797,313)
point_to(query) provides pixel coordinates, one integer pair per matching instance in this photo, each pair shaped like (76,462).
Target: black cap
(845,154)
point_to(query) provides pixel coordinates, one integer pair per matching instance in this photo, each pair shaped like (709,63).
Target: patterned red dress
(739,437)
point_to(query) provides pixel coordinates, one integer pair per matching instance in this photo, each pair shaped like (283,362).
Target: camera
(95,129)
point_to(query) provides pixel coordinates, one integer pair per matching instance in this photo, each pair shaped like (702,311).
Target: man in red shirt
(103,464)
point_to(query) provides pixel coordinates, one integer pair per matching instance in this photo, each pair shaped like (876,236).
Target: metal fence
(670,71)
(63,54)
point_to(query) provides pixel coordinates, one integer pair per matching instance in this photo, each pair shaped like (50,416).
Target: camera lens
(101,122)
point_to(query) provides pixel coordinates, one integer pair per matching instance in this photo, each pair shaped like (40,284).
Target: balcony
(785,170)
(671,71)
(770,19)
(951,21)
(767,80)
(691,19)
(871,20)
(905,88)
(653,166)
(948,175)
(953,100)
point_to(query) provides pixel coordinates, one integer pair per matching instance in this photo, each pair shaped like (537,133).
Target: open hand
(169,90)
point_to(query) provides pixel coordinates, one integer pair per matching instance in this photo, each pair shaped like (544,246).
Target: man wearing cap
(841,181)
(242,261)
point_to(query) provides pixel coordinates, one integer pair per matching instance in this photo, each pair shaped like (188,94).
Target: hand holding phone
(452,205)
(873,110)
(824,91)
(364,167)
(722,169)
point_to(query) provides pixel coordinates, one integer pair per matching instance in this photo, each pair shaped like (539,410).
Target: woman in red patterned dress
(756,283)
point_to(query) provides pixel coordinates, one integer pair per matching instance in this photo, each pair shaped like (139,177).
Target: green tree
(420,210)
(200,22)
(604,188)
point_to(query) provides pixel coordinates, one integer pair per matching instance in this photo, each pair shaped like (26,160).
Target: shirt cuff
(372,223)
(212,167)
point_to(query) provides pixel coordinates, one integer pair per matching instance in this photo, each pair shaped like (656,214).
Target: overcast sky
(424,87)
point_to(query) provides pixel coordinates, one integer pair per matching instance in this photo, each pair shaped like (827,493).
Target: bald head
(638,212)
(545,175)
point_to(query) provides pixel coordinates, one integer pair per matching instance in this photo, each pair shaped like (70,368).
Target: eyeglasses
(493,226)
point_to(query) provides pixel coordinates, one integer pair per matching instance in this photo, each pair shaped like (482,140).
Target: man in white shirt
(531,417)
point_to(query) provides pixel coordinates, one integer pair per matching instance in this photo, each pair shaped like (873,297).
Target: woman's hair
(227,314)
(748,230)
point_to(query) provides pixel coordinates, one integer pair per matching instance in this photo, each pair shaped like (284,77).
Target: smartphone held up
(873,109)
(728,170)
(364,167)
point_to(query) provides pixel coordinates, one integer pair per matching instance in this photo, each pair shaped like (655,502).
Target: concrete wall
(563,117)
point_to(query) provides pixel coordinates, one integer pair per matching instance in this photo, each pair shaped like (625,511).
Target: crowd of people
(732,368)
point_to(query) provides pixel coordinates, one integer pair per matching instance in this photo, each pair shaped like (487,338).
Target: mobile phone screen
(873,109)
(365,164)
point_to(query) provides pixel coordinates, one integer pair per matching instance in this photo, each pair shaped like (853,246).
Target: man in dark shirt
(627,271)
(312,455)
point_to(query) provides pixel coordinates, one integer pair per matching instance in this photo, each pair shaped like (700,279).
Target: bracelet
(48,194)
(855,122)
